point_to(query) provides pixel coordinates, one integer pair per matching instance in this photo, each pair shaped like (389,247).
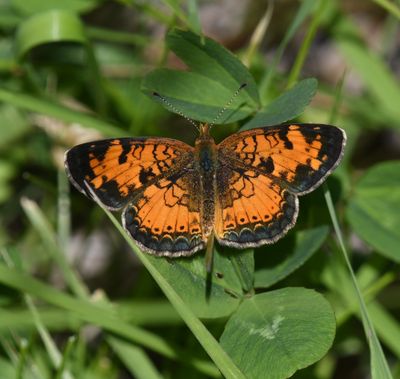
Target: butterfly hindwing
(252,209)
(300,156)
(164,218)
(117,169)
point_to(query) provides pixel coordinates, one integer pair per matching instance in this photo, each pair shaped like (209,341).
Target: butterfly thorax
(206,162)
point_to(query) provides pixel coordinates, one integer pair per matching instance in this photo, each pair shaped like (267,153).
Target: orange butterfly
(176,198)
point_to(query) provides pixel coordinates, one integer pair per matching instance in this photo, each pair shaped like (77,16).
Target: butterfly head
(204,130)
(204,136)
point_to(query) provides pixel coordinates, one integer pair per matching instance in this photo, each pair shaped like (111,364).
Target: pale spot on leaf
(270,330)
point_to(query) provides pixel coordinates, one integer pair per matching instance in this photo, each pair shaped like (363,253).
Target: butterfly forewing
(117,169)
(154,179)
(299,156)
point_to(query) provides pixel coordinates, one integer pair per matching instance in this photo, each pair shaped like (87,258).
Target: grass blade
(67,351)
(58,111)
(48,342)
(22,358)
(305,46)
(305,9)
(392,8)
(102,316)
(379,366)
(45,231)
(134,358)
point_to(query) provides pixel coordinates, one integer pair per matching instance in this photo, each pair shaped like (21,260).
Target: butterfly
(176,198)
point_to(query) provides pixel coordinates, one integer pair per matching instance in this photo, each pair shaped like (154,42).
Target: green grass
(78,299)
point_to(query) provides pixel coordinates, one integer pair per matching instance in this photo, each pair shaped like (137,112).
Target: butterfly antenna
(223,109)
(175,109)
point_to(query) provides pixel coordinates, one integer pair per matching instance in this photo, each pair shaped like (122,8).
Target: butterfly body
(206,162)
(175,197)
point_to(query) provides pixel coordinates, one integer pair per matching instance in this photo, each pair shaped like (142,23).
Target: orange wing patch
(165,217)
(252,209)
(300,156)
(117,169)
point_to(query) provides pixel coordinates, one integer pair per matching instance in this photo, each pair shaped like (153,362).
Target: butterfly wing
(117,169)
(300,156)
(164,218)
(262,171)
(252,209)
(153,179)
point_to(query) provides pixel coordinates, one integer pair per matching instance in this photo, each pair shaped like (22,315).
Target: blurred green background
(71,71)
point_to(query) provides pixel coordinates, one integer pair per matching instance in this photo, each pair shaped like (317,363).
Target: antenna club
(243,85)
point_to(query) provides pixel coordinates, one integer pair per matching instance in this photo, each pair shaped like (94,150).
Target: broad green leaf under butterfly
(189,278)
(373,211)
(274,334)
(305,244)
(215,75)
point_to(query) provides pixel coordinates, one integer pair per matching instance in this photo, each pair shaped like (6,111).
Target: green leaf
(189,279)
(207,57)
(306,243)
(373,210)
(275,334)
(243,262)
(47,27)
(35,6)
(215,76)
(286,107)
(194,95)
